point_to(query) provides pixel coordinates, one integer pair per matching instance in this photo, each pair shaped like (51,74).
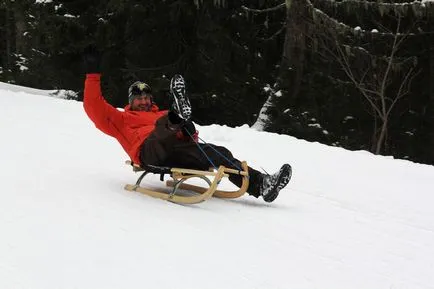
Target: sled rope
(219,153)
(203,152)
(222,155)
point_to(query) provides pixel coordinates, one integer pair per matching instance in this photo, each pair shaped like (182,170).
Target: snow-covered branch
(257,11)
(418,8)
(321,18)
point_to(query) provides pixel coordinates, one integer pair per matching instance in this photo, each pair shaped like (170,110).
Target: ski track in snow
(346,220)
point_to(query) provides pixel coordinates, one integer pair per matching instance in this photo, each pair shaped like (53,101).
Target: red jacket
(129,127)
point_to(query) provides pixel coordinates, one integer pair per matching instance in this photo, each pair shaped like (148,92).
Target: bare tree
(373,76)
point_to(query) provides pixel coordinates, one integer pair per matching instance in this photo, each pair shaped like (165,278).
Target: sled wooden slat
(165,196)
(180,175)
(237,172)
(195,172)
(168,197)
(219,193)
(138,168)
(181,199)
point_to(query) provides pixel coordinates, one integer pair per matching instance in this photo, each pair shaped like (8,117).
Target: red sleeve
(99,111)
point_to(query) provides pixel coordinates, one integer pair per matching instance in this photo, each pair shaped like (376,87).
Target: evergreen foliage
(229,51)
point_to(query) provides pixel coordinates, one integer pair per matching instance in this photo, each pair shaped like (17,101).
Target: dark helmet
(138,88)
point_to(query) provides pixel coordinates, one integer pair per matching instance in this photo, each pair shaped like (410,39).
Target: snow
(316,125)
(70,16)
(60,93)
(346,220)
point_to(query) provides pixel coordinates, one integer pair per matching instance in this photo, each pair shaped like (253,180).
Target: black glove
(188,129)
(92,59)
(174,118)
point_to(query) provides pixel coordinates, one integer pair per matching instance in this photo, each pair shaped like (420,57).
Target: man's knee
(224,151)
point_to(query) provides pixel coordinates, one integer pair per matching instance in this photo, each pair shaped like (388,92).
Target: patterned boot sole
(283,179)
(181,103)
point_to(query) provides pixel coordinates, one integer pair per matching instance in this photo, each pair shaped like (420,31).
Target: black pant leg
(158,145)
(189,155)
(222,156)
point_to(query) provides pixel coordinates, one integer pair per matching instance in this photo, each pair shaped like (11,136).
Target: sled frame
(180,175)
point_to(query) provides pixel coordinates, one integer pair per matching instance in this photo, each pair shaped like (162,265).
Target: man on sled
(168,138)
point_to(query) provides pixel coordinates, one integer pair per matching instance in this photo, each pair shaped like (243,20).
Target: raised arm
(105,117)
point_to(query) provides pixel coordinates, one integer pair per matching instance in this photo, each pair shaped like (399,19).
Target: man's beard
(143,107)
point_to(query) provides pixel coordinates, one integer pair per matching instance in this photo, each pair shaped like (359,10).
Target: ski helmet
(138,88)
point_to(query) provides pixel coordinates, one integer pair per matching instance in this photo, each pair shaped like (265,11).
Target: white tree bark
(262,120)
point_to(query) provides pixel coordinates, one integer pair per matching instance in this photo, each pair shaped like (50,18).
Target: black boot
(272,184)
(181,104)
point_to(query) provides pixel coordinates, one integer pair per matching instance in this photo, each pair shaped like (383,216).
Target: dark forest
(354,74)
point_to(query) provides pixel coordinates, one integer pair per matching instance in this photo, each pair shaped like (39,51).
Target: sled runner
(179,176)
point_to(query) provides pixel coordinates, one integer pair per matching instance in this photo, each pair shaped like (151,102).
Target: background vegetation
(350,73)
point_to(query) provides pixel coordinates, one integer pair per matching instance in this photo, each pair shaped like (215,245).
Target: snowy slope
(346,220)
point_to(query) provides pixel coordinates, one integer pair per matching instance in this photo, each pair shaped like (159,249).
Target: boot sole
(283,179)
(181,102)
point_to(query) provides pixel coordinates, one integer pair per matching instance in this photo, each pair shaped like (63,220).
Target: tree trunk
(262,120)
(374,139)
(382,137)
(291,69)
(430,7)
(8,62)
(20,29)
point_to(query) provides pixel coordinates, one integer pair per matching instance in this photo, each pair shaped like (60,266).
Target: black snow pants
(164,148)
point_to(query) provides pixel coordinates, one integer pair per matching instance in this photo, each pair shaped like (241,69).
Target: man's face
(142,103)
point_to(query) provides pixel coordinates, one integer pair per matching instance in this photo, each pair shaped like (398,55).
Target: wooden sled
(180,175)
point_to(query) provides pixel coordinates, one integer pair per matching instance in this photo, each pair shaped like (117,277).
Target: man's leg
(189,155)
(158,145)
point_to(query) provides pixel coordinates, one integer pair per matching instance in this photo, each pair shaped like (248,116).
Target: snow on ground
(60,93)
(346,220)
